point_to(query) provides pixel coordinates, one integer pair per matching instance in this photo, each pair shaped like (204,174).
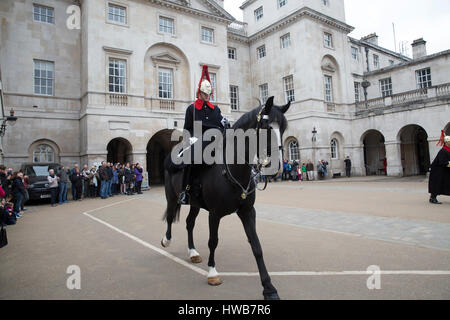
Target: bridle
(255,169)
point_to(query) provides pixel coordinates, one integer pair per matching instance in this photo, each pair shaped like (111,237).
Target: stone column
(394,161)
(357,157)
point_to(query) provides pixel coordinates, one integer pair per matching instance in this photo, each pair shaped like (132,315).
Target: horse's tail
(172,213)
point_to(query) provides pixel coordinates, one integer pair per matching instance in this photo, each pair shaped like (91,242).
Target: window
(328,89)
(117,13)
(328,40)
(357,92)
(289,88)
(165,83)
(232,54)
(355,53)
(207,35)
(212,77)
(43,77)
(282,3)
(294,153)
(386,87)
(391,62)
(259,13)
(43,153)
(326,2)
(117,75)
(234,97)
(43,14)
(423,78)
(334,149)
(264,92)
(261,51)
(376,61)
(166,25)
(285,41)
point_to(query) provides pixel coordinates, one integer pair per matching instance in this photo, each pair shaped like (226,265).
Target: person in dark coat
(439,182)
(77,180)
(210,117)
(348,167)
(138,171)
(18,191)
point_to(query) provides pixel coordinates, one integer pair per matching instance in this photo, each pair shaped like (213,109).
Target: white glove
(192,140)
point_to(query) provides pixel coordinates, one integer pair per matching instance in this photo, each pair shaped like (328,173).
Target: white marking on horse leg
(212,272)
(193,253)
(165,242)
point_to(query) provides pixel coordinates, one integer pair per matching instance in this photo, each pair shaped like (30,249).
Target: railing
(167,105)
(238,27)
(331,107)
(118,99)
(370,104)
(405,98)
(443,90)
(410,96)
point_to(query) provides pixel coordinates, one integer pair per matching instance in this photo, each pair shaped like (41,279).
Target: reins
(254,171)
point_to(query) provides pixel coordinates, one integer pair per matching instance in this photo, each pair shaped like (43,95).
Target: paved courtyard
(318,238)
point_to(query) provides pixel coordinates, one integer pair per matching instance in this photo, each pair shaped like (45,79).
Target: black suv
(38,183)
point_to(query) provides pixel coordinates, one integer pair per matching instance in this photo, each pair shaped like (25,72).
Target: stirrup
(183,198)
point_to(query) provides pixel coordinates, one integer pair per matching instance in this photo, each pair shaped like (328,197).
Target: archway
(119,151)
(158,148)
(374,153)
(415,152)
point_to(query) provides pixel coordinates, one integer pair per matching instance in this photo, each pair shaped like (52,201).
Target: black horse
(227,189)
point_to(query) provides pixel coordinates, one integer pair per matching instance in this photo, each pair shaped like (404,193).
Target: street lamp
(365,84)
(11,119)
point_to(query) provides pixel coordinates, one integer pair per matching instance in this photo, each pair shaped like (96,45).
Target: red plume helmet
(205,75)
(442,139)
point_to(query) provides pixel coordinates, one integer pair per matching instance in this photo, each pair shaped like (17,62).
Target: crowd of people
(104,181)
(294,171)
(13,194)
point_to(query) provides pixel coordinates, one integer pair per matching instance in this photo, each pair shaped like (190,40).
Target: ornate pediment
(166,58)
(328,64)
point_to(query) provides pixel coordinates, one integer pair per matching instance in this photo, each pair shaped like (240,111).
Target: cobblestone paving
(411,232)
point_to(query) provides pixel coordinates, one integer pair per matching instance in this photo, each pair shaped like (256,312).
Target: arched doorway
(374,153)
(158,148)
(415,152)
(119,150)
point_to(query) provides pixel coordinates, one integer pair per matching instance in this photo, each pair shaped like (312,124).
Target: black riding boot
(434,200)
(184,196)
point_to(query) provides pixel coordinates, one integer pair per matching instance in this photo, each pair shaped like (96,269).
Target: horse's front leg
(190,224)
(248,219)
(213,275)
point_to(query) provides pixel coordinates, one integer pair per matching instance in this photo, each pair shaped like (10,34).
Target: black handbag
(3,238)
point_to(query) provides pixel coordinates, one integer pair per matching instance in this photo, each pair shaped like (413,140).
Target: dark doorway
(414,150)
(158,148)
(119,150)
(374,153)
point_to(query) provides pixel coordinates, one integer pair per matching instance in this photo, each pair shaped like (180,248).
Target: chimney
(419,47)
(371,38)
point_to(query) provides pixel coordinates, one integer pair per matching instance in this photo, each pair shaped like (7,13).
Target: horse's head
(271,119)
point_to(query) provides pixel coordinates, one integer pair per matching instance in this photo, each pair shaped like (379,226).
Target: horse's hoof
(165,243)
(214,281)
(271,296)
(196,259)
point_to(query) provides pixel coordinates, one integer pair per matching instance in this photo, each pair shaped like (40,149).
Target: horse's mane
(248,120)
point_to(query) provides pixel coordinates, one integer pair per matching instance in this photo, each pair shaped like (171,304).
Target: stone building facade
(114,81)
